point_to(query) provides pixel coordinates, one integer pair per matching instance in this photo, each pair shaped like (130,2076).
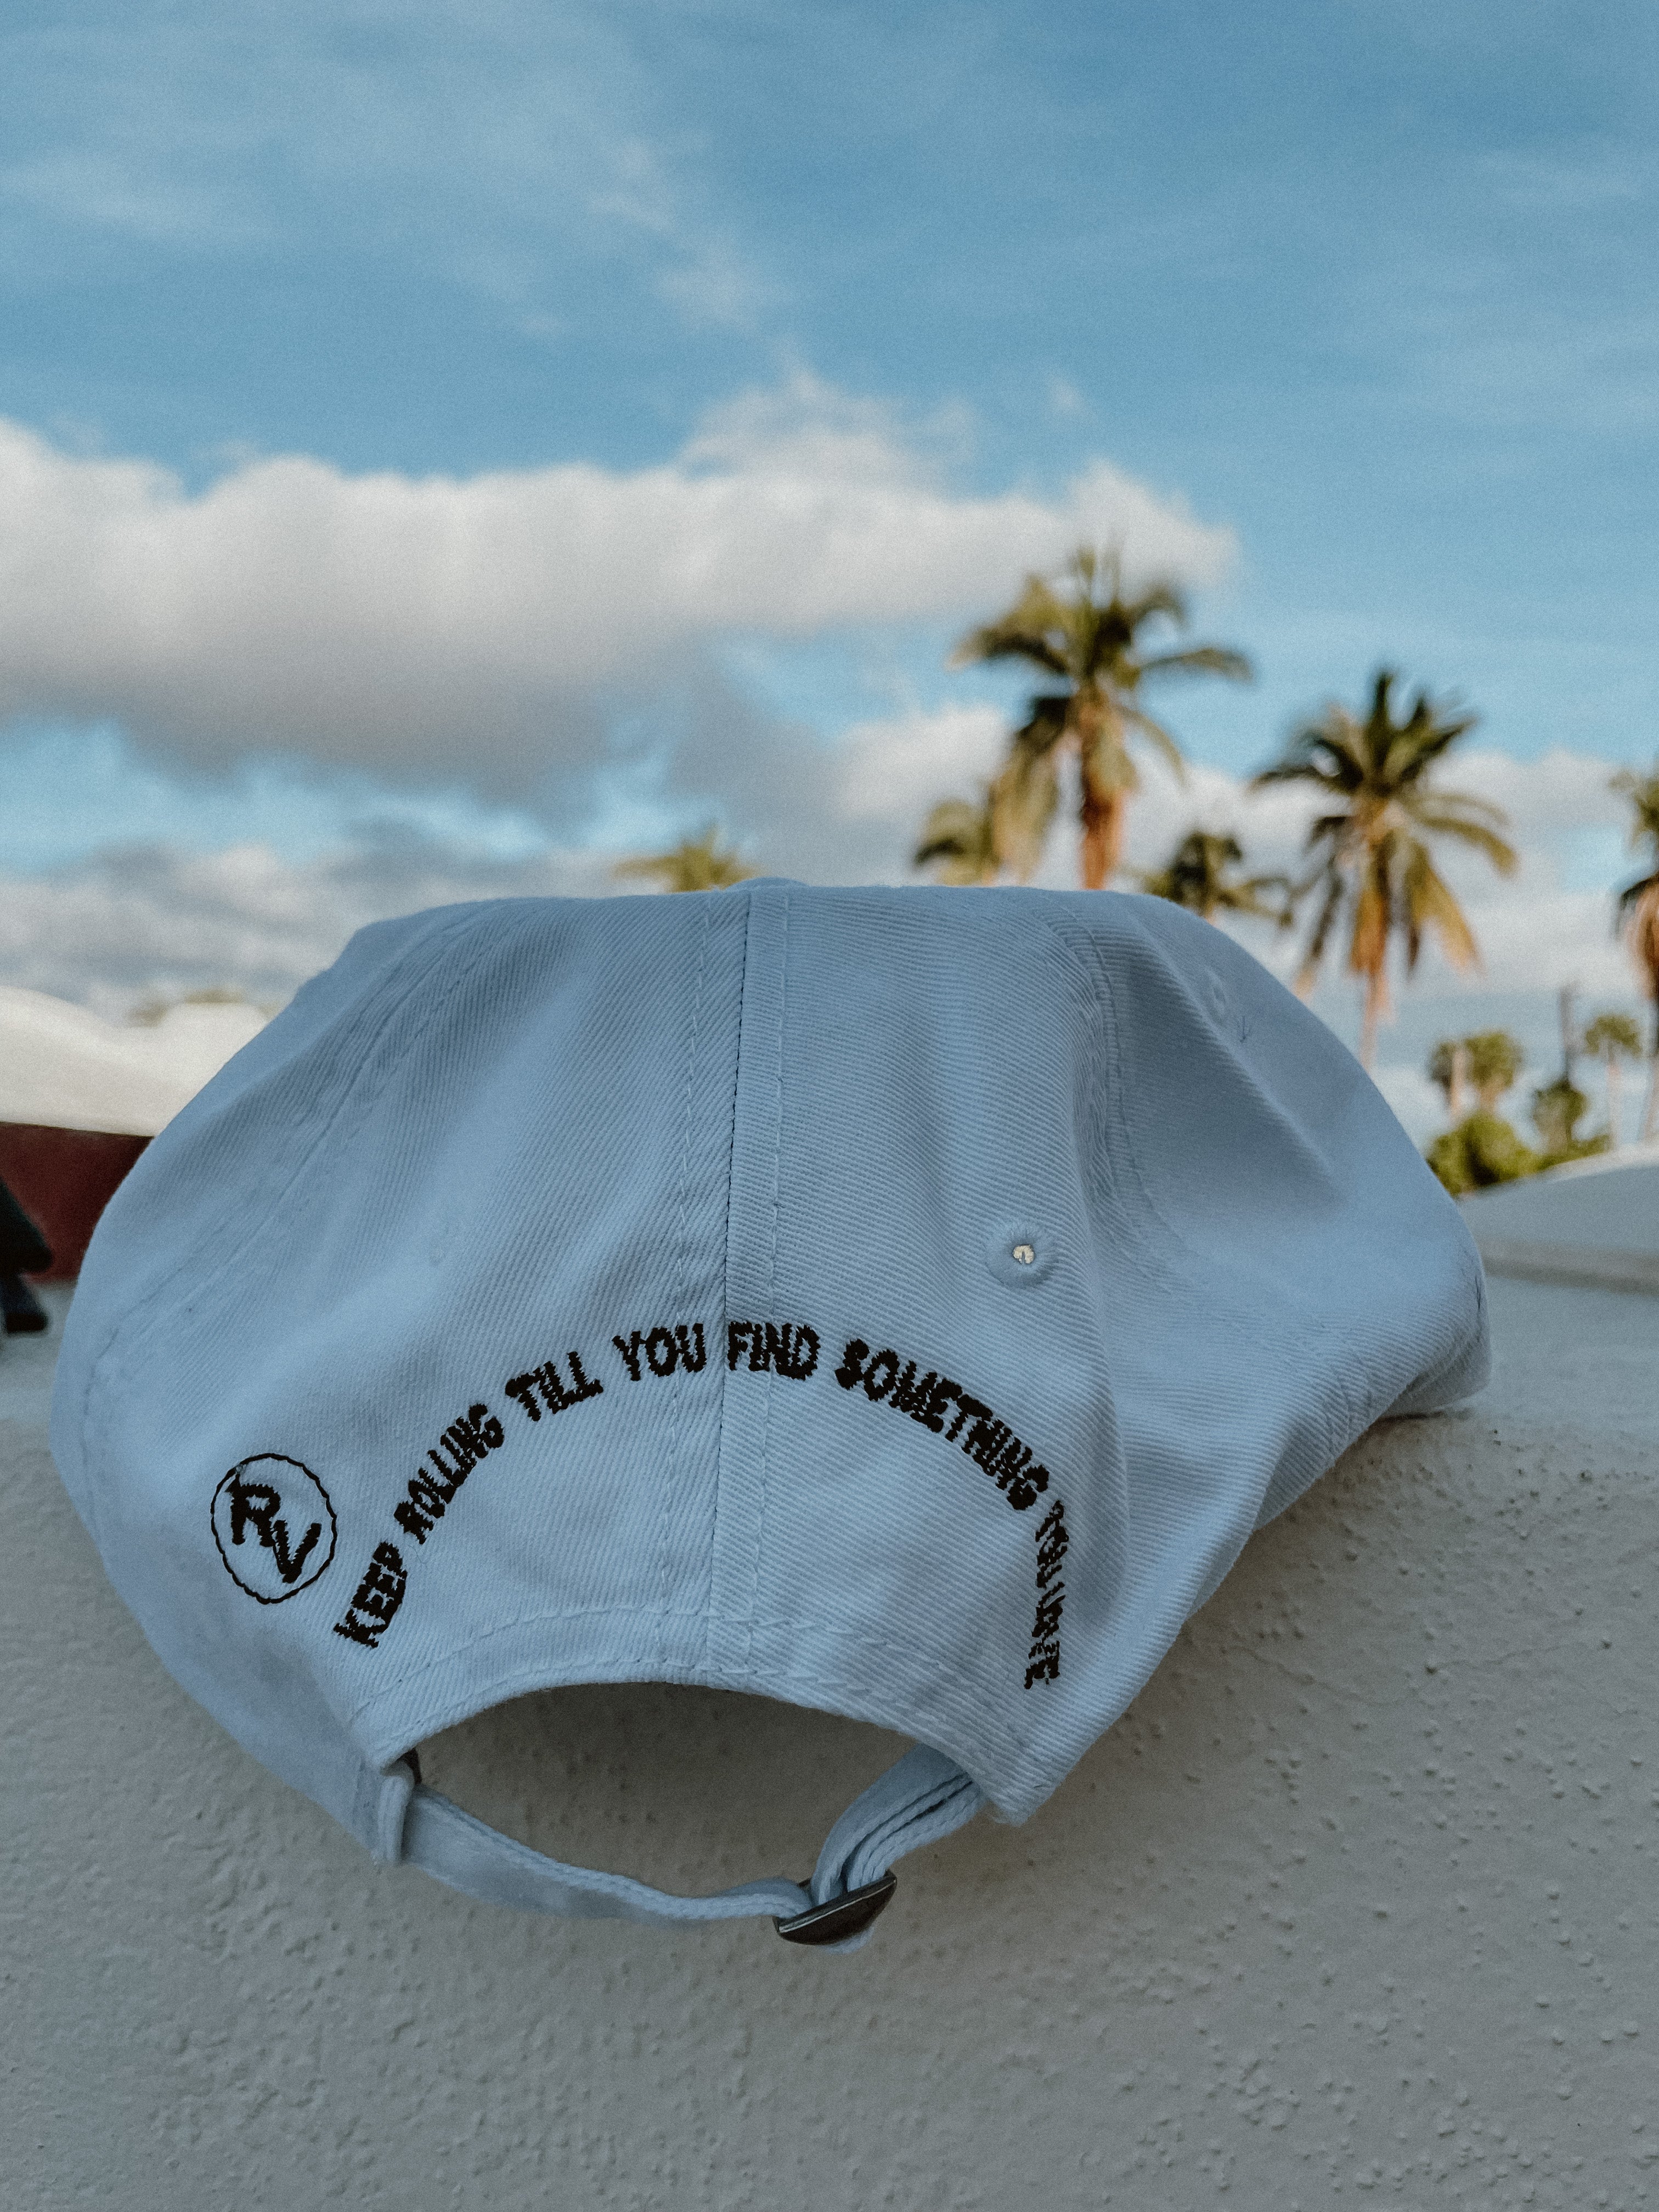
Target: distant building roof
(1595,1223)
(64,1067)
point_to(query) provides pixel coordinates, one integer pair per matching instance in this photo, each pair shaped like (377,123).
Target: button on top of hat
(1025,1255)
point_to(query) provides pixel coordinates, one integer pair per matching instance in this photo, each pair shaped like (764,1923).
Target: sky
(443,448)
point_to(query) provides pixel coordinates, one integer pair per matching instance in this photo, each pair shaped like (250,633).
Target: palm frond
(1107,766)
(1161,597)
(1462,803)
(1325,921)
(1007,641)
(1021,806)
(1498,850)
(1160,737)
(1330,752)
(1404,754)
(1046,724)
(1643,793)
(696,864)
(1373,917)
(1201,661)
(1639,917)
(957,838)
(1430,903)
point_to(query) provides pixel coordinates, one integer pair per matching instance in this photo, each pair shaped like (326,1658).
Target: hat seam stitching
(707,1608)
(677,1407)
(771,1291)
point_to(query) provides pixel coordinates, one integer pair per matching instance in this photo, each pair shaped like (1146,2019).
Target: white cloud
(494,147)
(96,189)
(152,921)
(706,276)
(1562,790)
(893,769)
(126,926)
(409,625)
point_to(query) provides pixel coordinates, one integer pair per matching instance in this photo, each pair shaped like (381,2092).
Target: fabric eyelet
(1020,1255)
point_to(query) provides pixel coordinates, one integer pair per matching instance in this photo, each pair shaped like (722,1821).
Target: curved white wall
(1360,1902)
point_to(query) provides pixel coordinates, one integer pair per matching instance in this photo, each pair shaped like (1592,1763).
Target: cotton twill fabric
(496,1139)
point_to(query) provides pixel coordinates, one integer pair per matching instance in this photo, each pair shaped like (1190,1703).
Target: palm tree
(1638,913)
(696,864)
(1486,1063)
(1088,638)
(1495,1060)
(1199,875)
(1380,808)
(1557,1110)
(1480,1148)
(1611,1038)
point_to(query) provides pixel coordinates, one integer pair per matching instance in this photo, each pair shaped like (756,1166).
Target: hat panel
(947,1471)
(594,1290)
(530,1179)
(1263,1150)
(1227,1195)
(225,1158)
(1279,1268)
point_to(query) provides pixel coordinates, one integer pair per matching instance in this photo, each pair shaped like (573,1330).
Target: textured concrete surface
(1357,1904)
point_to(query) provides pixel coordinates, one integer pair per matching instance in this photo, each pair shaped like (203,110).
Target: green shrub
(1482,1149)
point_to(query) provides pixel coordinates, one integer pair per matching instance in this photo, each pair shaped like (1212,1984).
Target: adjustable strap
(925,1796)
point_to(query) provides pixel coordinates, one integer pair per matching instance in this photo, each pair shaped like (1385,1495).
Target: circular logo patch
(274,1526)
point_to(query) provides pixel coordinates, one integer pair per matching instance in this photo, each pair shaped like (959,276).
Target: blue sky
(1367,293)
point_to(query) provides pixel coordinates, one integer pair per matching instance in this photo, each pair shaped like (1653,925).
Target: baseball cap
(899,1302)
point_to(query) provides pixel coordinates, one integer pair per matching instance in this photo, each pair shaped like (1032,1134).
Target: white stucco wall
(1359,1903)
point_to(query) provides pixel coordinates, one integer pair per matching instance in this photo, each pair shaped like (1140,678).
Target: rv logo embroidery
(273,1527)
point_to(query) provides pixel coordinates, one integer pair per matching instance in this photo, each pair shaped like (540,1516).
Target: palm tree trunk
(1375,995)
(1457,1094)
(1644,940)
(1104,817)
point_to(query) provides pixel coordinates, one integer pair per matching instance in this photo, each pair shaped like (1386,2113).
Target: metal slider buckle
(841,1917)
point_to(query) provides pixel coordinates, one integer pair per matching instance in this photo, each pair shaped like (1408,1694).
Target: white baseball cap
(900,1302)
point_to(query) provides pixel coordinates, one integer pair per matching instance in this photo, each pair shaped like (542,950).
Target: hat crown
(904,1303)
